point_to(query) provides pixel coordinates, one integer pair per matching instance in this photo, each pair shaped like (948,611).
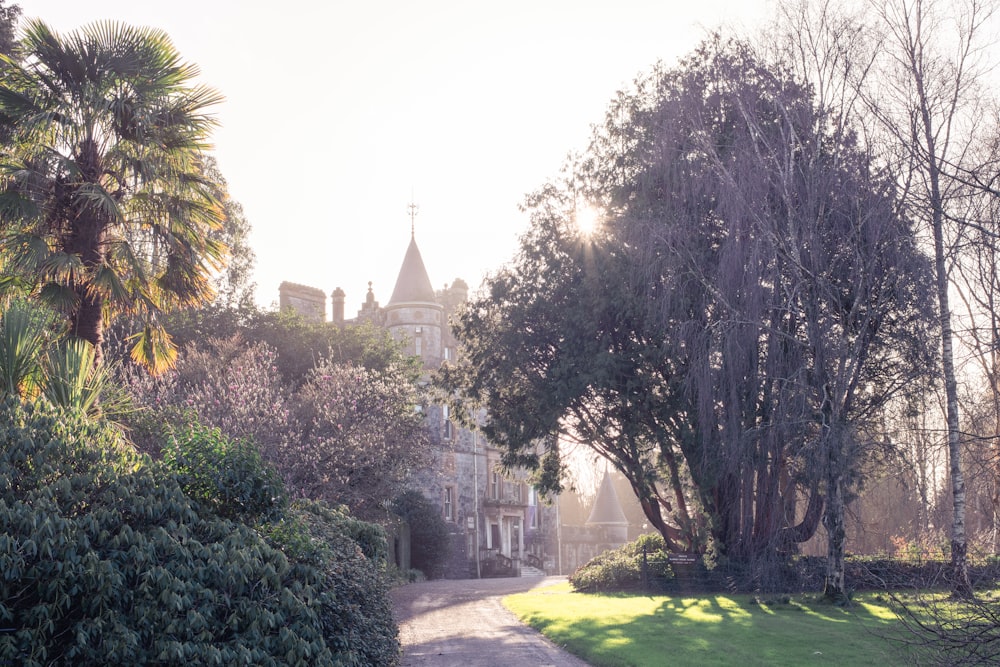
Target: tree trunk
(961,586)
(682,515)
(932,157)
(88,324)
(834,440)
(86,240)
(835,587)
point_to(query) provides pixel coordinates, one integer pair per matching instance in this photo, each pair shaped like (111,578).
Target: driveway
(452,623)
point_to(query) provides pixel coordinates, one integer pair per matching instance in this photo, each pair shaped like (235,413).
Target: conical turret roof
(607,510)
(412,284)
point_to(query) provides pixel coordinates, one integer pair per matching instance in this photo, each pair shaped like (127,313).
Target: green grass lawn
(619,630)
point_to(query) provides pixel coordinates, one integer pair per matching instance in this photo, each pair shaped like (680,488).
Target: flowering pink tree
(227,384)
(349,435)
(359,434)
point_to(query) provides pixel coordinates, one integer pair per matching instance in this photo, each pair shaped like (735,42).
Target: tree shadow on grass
(727,630)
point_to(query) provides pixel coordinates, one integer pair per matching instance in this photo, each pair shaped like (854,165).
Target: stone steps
(528,571)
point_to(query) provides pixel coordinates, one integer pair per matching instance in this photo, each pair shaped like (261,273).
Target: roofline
(402,304)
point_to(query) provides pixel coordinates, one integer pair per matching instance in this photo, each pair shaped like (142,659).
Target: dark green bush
(105,561)
(351,555)
(430,545)
(621,568)
(225,475)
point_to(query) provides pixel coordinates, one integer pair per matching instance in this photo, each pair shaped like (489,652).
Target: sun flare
(587,219)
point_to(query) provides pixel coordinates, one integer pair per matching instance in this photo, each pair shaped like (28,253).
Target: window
(495,485)
(494,537)
(417,347)
(446,420)
(447,354)
(449,503)
(532,507)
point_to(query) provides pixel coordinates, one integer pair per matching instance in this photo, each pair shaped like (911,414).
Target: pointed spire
(607,509)
(412,284)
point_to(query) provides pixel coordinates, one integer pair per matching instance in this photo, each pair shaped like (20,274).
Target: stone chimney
(338,306)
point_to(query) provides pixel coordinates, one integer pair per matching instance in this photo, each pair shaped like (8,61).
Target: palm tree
(103,201)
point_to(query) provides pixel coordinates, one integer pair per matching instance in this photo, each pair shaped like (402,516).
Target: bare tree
(977,285)
(926,97)
(833,47)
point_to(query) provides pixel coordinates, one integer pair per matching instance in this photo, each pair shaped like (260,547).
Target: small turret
(369,309)
(459,291)
(607,512)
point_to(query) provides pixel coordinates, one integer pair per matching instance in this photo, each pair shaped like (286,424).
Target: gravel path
(452,623)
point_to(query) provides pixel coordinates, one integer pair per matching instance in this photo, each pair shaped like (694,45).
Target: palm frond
(24,252)
(13,286)
(22,336)
(122,255)
(107,284)
(154,349)
(60,267)
(73,380)
(94,197)
(58,297)
(14,205)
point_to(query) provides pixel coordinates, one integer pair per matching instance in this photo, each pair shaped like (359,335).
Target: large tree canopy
(727,338)
(104,203)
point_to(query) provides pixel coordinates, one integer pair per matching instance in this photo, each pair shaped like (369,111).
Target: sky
(338,115)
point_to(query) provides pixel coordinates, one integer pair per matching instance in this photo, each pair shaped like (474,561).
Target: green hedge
(104,560)
(621,568)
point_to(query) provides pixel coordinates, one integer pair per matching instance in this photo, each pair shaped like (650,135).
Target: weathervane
(413,208)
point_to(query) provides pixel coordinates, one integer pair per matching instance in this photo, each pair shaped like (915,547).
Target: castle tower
(413,313)
(607,513)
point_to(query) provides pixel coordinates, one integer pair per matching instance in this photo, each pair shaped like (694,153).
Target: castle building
(497,522)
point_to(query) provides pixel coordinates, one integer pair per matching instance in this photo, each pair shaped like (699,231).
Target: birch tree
(927,99)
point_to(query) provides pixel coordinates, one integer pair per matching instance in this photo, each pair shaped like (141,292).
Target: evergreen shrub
(350,555)
(224,475)
(621,568)
(104,560)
